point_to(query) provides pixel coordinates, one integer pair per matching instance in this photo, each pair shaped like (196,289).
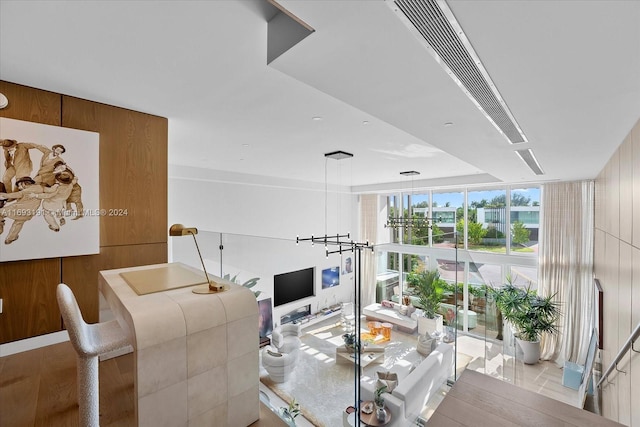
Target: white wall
(259,218)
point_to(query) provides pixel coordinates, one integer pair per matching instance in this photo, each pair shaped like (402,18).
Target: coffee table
(370,355)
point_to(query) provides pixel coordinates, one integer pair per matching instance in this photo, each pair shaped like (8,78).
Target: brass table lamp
(213,287)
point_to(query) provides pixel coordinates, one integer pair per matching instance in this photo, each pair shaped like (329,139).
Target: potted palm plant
(530,314)
(428,287)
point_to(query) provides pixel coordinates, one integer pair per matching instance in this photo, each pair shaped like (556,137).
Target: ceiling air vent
(435,24)
(531,161)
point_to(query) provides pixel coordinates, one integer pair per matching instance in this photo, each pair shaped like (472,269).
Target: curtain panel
(565,263)
(368,233)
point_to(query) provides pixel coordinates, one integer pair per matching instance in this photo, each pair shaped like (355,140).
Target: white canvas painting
(49,191)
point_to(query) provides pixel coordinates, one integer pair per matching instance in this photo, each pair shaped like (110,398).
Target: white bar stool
(89,341)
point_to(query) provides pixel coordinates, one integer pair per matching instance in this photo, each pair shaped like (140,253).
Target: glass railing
(325,376)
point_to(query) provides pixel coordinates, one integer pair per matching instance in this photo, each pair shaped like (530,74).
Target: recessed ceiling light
(448,124)
(245,145)
(365,122)
(316,118)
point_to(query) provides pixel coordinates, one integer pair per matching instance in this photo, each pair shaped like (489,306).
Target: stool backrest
(76,326)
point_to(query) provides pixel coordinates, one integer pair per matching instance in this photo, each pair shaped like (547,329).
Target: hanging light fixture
(396,222)
(401,221)
(344,243)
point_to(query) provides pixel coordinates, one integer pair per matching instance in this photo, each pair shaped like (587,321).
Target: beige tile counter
(196,356)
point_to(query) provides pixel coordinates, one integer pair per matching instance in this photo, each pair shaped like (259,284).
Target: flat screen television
(292,286)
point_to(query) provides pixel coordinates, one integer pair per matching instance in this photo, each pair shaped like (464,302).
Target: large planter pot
(429,326)
(530,351)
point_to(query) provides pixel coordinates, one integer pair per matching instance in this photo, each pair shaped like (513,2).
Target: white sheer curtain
(565,263)
(368,232)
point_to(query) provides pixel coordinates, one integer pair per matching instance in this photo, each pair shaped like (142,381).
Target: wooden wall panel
(613,195)
(29,104)
(635,142)
(28,290)
(626,189)
(624,329)
(635,319)
(133,177)
(81,273)
(618,267)
(28,287)
(133,169)
(599,201)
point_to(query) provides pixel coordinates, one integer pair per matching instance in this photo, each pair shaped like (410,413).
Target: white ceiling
(568,70)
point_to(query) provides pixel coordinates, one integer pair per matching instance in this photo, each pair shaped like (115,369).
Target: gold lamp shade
(181,230)
(213,287)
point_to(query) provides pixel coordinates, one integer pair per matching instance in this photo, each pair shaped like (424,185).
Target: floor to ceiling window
(525,220)
(487,224)
(447,211)
(496,230)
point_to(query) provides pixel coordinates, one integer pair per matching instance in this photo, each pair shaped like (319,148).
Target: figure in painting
(50,157)
(54,199)
(17,160)
(22,209)
(2,190)
(51,164)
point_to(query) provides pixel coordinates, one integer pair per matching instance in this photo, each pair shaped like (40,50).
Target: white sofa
(404,323)
(471,315)
(414,389)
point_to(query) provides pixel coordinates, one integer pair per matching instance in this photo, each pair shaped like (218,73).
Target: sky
(456,198)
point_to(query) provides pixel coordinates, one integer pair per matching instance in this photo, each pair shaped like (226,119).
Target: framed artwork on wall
(265,317)
(330,277)
(347,264)
(49,191)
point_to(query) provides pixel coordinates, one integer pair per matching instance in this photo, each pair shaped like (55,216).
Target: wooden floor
(478,400)
(38,388)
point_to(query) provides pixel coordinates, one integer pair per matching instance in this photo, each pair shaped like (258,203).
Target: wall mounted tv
(292,286)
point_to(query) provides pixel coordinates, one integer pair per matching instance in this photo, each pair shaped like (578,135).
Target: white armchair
(280,359)
(286,338)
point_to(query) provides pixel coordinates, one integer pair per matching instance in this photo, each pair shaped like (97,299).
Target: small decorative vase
(380,413)
(287,418)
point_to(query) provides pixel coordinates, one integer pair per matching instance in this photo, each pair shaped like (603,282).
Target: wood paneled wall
(133,178)
(617,266)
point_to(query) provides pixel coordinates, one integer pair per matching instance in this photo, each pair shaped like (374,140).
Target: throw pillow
(390,379)
(386,303)
(390,385)
(274,353)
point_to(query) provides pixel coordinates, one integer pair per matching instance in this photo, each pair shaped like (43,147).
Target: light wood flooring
(493,358)
(38,388)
